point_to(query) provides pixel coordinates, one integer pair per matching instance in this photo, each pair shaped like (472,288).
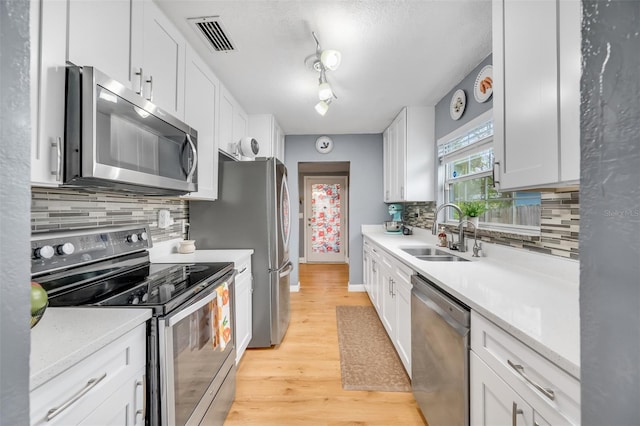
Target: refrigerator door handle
(284,270)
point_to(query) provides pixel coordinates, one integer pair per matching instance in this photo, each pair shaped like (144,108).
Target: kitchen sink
(424,251)
(432,254)
(445,258)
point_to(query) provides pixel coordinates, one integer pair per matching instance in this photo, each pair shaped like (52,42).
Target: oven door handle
(190,309)
(207,295)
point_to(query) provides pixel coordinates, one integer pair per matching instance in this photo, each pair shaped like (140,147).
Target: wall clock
(324,144)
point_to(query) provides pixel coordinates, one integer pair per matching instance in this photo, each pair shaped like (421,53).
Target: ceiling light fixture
(323,61)
(322,107)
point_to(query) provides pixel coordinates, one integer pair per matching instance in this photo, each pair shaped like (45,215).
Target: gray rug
(368,360)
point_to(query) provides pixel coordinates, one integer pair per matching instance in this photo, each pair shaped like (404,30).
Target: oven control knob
(145,297)
(135,300)
(133,238)
(66,248)
(44,252)
(143,236)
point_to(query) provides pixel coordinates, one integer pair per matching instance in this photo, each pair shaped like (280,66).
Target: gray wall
(15,136)
(444,123)
(364,152)
(610,214)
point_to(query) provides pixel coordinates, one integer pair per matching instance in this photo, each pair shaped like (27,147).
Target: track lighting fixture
(323,61)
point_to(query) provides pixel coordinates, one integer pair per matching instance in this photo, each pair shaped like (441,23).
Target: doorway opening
(324,212)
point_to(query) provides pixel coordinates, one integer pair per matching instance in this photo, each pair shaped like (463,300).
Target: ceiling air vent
(212,30)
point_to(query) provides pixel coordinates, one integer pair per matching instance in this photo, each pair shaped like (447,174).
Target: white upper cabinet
(48,37)
(234,122)
(104,34)
(536,105)
(266,130)
(409,153)
(163,61)
(201,96)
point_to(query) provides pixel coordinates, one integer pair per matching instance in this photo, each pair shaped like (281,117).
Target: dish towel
(222,317)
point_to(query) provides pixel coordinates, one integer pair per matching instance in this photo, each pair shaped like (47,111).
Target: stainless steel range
(190,357)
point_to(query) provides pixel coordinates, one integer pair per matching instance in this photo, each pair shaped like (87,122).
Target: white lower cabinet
(108,387)
(513,385)
(243,306)
(388,283)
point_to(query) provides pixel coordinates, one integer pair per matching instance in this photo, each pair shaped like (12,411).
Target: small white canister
(187,246)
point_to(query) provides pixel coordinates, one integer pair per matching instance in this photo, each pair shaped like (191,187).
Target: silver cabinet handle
(243,269)
(143,410)
(56,170)
(140,81)
(373,267)
(92,383)
(514,414)
(150,81)
(402,192)
(496,183)
(549,393)
(195,158)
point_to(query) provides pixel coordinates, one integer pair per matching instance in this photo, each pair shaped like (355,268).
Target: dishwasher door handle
(461,329)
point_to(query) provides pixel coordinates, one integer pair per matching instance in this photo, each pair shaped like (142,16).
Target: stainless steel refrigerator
(252,211)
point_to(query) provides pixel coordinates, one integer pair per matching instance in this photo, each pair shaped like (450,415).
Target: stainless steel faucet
(434,227)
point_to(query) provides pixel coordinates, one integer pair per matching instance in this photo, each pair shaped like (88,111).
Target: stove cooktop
(157,286)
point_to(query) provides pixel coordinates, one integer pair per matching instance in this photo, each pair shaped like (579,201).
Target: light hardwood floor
(298,382)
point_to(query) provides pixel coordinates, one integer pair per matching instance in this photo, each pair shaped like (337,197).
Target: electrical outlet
(164,219)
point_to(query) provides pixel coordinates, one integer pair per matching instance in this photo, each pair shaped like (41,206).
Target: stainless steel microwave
(115,139)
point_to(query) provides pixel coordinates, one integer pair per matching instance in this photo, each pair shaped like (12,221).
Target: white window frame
(464,152)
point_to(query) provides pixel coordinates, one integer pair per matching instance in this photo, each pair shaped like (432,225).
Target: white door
(325,219)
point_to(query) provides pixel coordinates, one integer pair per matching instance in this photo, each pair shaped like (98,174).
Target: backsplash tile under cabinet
(64,209)
(559,225)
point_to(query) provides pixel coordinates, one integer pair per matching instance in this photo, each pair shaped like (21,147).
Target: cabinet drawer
(530,374)
(89,382)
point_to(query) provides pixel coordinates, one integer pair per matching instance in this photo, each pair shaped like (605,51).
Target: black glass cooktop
(155,285)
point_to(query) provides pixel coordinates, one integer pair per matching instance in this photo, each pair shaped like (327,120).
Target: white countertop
(532,296)
(65,336)
(166,252)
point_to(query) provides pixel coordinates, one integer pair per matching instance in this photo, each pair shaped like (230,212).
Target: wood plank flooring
(298,382)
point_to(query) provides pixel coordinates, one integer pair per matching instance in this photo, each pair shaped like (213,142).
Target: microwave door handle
(195,158)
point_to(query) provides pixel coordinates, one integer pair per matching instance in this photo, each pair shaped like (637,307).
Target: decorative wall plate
(458,103)
(483,87)
(324,144)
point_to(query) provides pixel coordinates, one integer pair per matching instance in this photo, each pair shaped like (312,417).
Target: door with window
(325,219)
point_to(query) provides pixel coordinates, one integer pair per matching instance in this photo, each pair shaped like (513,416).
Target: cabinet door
(105,34)
(493,402)
(201,91)
(388,301)
(402,292)
(163,61)
(240,123)
(376,280)
(262,128)
(243,314)
(386,163)
(525,97)
(400,156)
(48,30)
(226,121)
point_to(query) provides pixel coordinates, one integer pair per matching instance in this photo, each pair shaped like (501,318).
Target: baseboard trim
(295,288)
(357,288)
(302,260)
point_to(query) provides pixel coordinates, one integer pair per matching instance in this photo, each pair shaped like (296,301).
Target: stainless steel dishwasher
(439,354)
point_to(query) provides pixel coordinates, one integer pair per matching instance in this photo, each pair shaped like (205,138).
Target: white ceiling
(394,53)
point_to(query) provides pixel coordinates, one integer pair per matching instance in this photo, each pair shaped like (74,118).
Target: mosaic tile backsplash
(65,209)
(559,225)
